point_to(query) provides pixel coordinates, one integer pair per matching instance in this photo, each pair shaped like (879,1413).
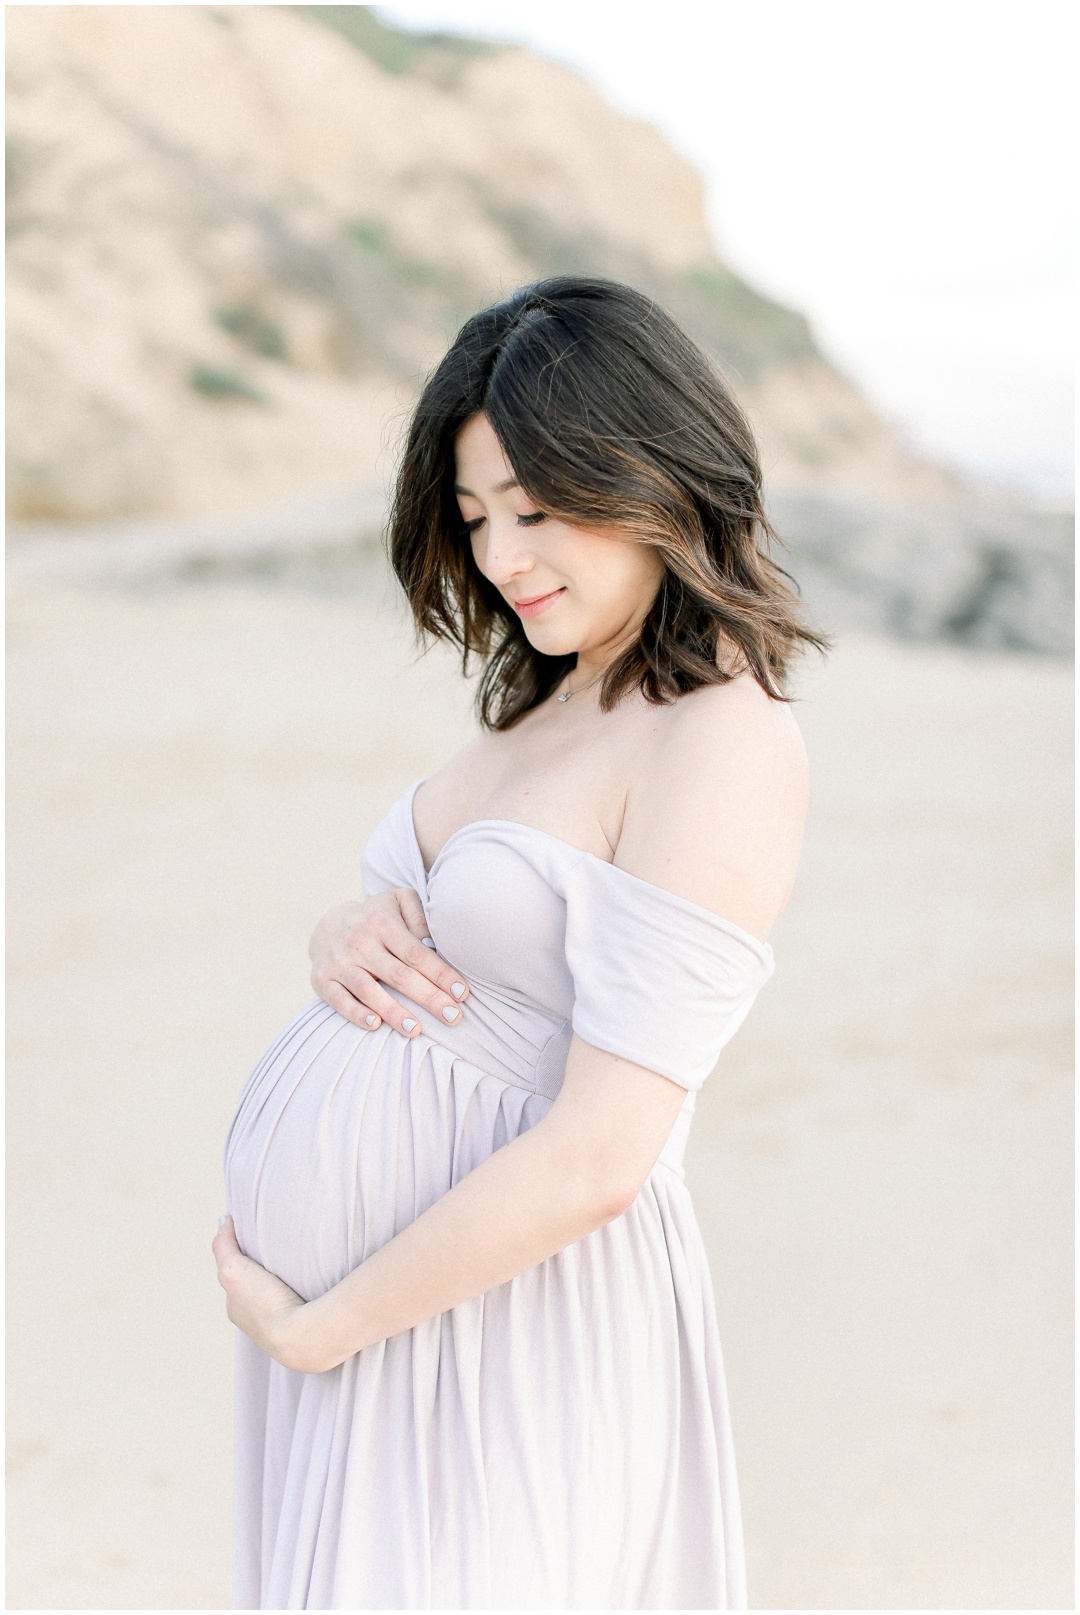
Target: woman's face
(575,588)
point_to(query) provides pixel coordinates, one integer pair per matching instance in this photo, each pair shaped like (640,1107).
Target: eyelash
(532,520)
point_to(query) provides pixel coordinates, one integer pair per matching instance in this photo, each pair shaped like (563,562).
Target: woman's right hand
(359,945)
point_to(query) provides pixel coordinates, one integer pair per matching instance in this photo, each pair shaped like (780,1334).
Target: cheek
(628,580)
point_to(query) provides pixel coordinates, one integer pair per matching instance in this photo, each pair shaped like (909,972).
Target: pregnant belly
(342,1138)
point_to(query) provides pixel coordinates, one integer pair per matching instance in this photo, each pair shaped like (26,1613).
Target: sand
(882,1163)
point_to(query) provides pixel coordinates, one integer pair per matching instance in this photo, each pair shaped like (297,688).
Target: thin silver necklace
(581,687)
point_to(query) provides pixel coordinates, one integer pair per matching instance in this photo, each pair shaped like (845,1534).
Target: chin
(555,644)
(551,640)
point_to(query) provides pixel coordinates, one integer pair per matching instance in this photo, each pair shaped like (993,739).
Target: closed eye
(532,519)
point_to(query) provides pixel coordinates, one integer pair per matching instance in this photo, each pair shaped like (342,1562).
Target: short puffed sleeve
(657,979)
(391,857)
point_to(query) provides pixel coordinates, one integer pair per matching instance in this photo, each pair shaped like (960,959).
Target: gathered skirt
(561,1442)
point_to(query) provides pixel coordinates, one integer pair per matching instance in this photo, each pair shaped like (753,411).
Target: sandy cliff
(238,237)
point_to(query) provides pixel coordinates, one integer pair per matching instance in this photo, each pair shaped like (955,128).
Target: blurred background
(238,237)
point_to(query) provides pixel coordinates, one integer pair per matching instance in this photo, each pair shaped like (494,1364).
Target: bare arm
(578,1168)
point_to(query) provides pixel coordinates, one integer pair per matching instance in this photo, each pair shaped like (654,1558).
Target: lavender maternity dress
(561,1442)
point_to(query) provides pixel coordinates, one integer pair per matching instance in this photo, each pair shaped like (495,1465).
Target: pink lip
(539,603)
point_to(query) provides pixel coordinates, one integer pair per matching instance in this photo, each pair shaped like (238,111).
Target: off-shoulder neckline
(754,942)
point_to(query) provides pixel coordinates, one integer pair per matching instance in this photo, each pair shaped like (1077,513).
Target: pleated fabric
(562,1442)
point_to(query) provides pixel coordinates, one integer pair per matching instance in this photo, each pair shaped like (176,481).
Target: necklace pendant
(567,696)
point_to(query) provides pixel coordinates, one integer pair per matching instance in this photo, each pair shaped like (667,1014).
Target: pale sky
(901,173)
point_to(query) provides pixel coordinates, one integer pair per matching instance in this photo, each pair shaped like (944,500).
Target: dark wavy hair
(610,416)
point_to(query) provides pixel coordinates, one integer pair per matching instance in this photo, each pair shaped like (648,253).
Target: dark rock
(987,573)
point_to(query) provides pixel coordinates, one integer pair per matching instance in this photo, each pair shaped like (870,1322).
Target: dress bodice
(553,940)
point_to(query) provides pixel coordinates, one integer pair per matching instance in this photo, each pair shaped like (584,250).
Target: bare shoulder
(705,726)
(717,802)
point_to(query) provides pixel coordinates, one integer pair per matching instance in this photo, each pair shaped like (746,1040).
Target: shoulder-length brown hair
(610,417)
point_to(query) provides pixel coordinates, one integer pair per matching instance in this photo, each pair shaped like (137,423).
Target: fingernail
(450,1013)
(222,1221)
(372,1020)
(458,989)
(428,943)
(409,1026)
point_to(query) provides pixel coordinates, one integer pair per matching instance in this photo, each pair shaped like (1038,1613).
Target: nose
(503,552)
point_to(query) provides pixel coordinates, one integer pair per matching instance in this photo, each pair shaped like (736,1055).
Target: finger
(366,992)
(226,1248)
(450,986)
(339,997)
(412,912)
(408,980)
(365,988)
(387,936)
(356,993)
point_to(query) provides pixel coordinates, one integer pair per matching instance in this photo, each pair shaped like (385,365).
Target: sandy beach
(881,1164)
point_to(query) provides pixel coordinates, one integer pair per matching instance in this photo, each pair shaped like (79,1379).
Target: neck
(596,659)
(592,663)
(583,672)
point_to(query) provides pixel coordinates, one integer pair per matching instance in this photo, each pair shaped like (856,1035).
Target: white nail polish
(458,989)
(450,1013)
(222,1221)
(372,1020)
(409,1026)
(428,943)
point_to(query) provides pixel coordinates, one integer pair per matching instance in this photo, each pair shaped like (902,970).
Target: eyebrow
(500,487)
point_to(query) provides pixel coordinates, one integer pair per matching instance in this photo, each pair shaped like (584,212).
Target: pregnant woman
(479,1365)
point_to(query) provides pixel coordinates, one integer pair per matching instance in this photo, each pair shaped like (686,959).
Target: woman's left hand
(258,1303)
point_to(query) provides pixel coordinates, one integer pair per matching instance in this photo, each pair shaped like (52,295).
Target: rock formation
(239,235)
